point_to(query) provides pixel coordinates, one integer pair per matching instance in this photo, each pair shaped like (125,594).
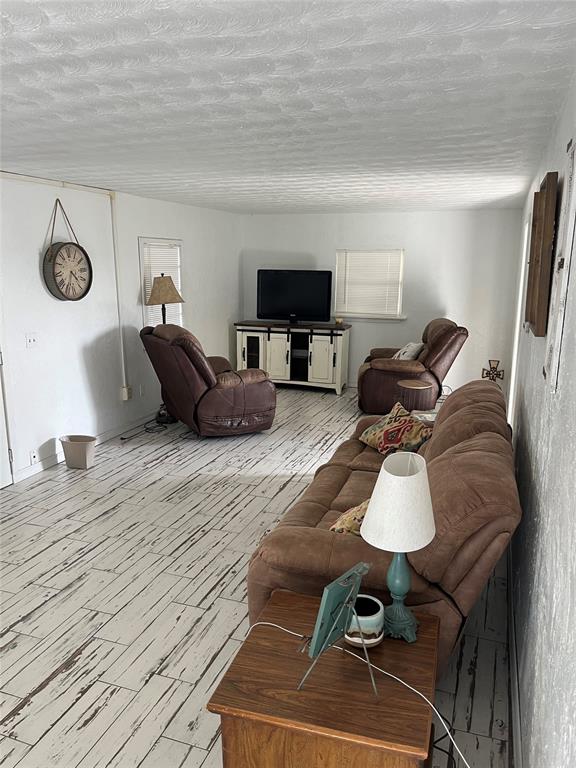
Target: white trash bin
(79,450)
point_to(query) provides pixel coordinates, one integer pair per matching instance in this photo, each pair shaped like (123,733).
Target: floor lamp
(164,292)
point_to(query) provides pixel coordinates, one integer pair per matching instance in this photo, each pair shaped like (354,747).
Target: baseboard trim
(56,458)
(515,754)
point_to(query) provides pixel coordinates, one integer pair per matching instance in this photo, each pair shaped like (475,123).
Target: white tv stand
(307,354)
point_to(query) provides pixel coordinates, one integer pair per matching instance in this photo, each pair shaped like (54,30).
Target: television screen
(294,294)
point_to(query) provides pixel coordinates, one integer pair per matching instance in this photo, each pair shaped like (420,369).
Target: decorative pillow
(351,520)
(372,435)
(397,431)
(409,351)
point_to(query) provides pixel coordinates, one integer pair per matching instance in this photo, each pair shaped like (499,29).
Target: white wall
(544,547)
(72,381)
(459,264)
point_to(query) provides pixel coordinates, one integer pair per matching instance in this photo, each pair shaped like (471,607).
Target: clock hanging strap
(52,223)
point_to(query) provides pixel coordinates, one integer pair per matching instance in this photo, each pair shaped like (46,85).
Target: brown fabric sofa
(378,377)
(205,392)
(476,508)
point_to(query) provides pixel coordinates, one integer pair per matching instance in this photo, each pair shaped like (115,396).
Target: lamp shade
(164,292)
(400,517)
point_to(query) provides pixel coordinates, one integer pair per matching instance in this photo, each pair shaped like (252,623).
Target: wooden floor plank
(46,657)
(11,752)
(38,712)
(166,753)
(129,584)
(143,658)
(193,724)
(137,616)
(81,726)
(133,733)
(192,656)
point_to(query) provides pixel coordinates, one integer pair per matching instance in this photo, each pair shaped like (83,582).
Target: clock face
(67,271)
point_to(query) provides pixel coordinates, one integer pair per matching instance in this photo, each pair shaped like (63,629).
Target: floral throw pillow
(351,520)
(397,431)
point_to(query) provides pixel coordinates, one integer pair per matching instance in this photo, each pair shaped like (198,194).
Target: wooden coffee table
(335,720)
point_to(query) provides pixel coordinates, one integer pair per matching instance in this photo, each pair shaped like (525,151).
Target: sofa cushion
(358,487)
(471,485)
(329,481)
(465,423)
(347,452)
(368,459)
(475,392)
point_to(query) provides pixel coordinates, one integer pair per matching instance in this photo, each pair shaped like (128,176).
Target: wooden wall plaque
(541,255)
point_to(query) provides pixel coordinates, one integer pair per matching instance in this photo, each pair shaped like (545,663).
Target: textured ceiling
(258,106)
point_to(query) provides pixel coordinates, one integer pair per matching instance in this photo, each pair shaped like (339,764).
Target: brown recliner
(378,377)
(205,392)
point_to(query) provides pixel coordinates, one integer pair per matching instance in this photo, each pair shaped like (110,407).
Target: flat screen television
(294,294)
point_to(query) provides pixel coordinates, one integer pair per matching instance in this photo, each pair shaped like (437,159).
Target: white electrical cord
(383,671)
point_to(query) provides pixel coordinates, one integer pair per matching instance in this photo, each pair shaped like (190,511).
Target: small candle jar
(371,617)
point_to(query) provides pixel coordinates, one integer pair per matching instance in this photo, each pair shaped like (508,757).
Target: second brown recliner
(378,377)
(205,392)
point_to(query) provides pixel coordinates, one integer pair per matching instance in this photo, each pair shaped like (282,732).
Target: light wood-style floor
(123,597)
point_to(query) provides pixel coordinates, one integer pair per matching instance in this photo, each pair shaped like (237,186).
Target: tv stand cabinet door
(251,351)
(321,358)
(278,357)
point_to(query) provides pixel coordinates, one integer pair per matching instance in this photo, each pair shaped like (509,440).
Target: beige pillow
(351,520)
(409,351)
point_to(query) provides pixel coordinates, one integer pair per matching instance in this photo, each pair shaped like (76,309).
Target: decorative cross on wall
(492,371)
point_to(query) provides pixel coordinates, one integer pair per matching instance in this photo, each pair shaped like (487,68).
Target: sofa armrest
(230,379)
(404,367)
(219,364)
(378,352)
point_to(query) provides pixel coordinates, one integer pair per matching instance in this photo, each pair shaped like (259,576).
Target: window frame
(360,315)
(165,241)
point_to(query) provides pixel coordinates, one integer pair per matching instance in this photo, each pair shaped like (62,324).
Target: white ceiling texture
(294,105)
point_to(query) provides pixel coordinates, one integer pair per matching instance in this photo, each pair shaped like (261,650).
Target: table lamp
(164,292)
(400,519)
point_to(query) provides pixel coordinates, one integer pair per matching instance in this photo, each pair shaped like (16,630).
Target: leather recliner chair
(378,377)
(205,392)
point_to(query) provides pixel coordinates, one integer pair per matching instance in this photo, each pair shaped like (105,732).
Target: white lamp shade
(400,517)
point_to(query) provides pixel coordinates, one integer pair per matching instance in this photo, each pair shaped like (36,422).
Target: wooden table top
(337,699)
(414,384)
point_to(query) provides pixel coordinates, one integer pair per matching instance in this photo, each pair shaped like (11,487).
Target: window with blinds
(369,283)
(158,256)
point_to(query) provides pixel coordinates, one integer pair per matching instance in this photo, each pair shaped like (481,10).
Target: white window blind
(369,283)
(159,256)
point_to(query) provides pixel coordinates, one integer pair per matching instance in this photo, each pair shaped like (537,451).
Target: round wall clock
(67,271)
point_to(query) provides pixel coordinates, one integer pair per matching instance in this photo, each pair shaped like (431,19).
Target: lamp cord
(443,721)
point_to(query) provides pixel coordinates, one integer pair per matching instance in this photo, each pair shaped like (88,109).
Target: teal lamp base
(399,621)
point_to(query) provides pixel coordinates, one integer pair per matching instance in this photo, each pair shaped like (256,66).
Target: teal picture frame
(336,607)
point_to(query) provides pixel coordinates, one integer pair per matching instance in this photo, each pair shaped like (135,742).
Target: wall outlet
(31,340)
(126,392)
(33,457)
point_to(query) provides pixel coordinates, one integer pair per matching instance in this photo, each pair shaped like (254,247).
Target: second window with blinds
(369,283)
(159,256)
